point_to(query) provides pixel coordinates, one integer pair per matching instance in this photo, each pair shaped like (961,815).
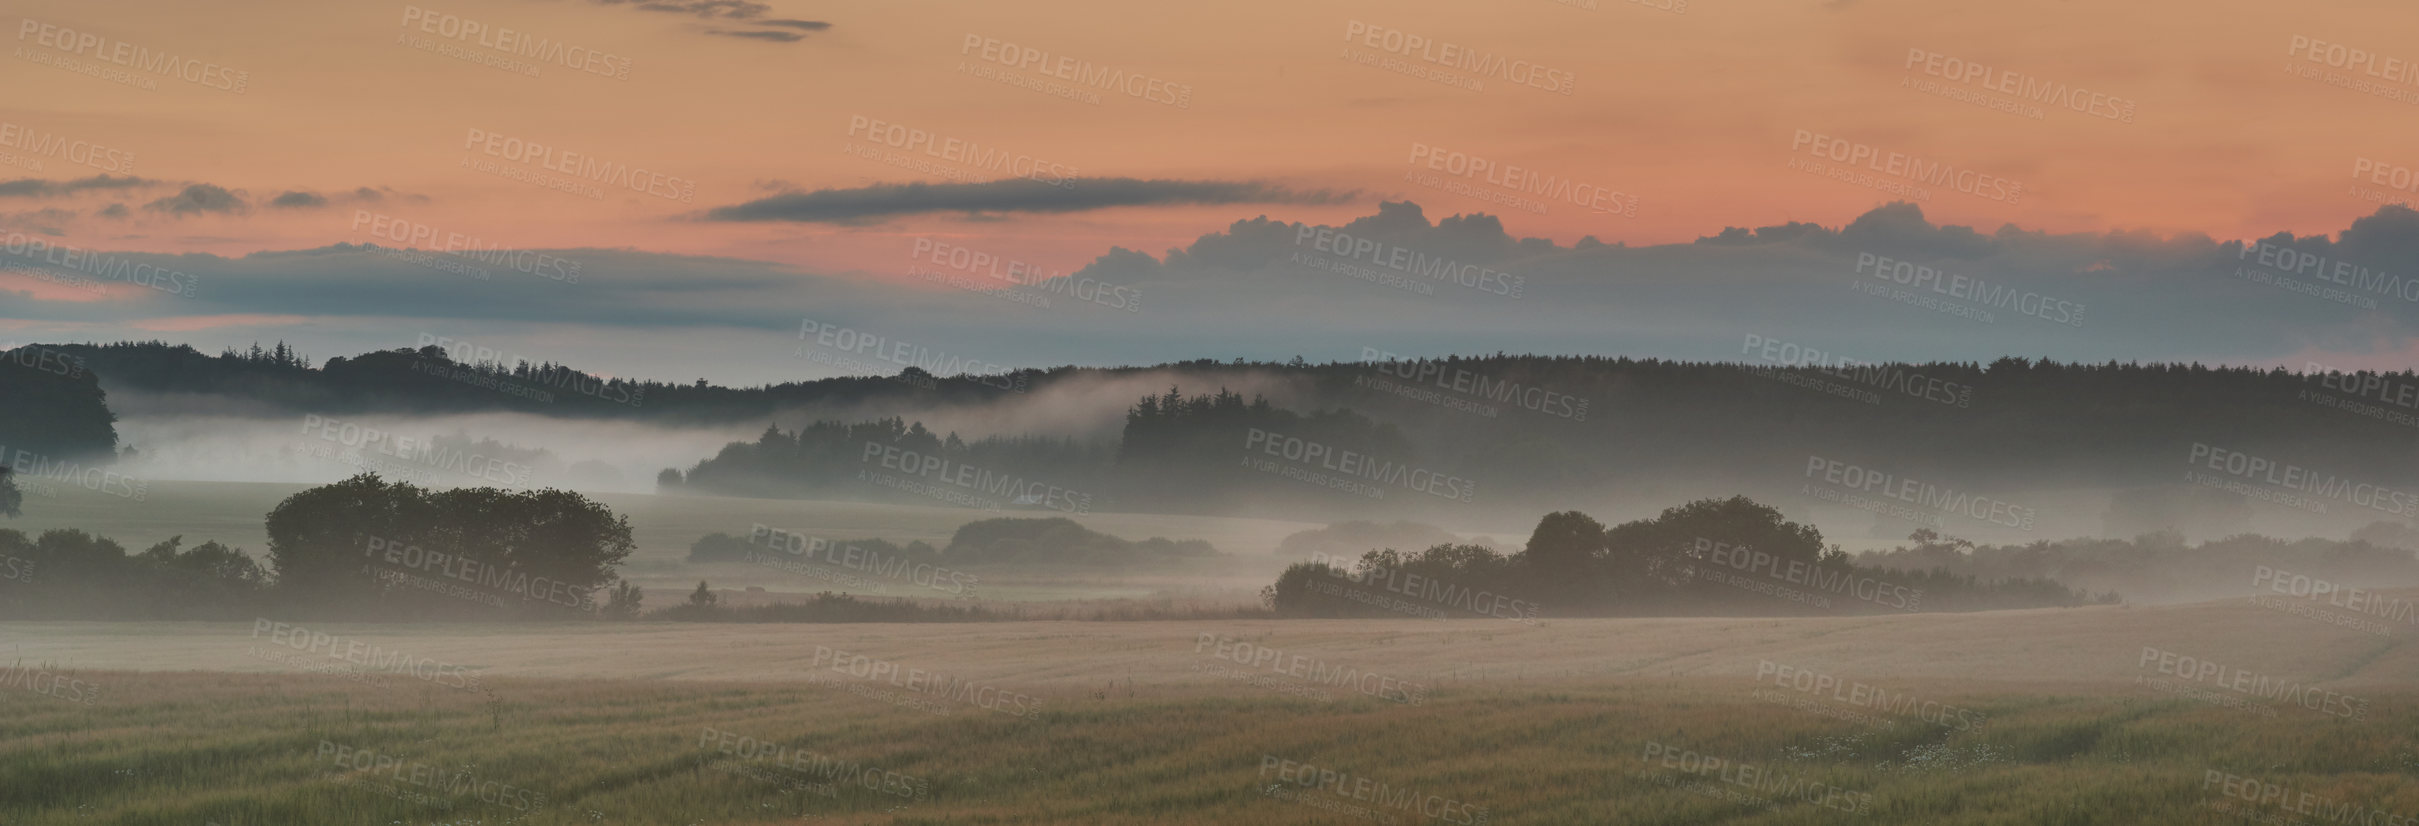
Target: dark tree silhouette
(12,500)
(365,545)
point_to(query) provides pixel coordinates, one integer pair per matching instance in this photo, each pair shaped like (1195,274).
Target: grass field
(2023,717)
(197,748)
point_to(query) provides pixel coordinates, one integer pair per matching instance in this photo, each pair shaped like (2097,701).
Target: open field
(2017,717)
(2048,716)
(2086,647)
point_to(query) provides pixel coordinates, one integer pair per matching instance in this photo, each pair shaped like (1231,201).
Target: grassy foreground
(249,749)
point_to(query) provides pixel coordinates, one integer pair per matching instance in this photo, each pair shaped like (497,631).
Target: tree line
(1708,557)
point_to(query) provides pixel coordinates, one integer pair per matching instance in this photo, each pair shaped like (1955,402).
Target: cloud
(884,201)
(1887,285)
(301,199)
(39,188)
(191,323)
(725,9)
(776,36)
(730,11)
(201,198)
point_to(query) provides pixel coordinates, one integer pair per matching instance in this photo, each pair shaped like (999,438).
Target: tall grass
(250,750)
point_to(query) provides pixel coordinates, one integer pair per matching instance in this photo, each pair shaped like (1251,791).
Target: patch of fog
(212,439)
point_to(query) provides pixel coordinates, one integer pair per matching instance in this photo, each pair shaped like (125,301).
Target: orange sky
(1693,113)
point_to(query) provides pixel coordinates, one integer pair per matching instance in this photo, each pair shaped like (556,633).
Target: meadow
(2057,716)
(247,750)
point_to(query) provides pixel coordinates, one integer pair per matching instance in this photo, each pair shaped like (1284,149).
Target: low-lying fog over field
(1661,412)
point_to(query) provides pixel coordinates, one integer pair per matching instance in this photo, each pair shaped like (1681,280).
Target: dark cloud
(300,199)
(198,199)
(730,11)
(39,188)
(114,211)
(1392,279)
(723,9)
(884,201)
(768,34)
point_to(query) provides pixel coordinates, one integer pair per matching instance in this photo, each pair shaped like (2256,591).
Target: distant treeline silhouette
(1713,556)
(1510,422)
(1360,438)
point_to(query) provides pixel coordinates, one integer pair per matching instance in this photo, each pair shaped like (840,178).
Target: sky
(754,192)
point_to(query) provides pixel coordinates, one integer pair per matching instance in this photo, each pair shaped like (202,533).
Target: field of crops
(2167,715)
(249,750)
